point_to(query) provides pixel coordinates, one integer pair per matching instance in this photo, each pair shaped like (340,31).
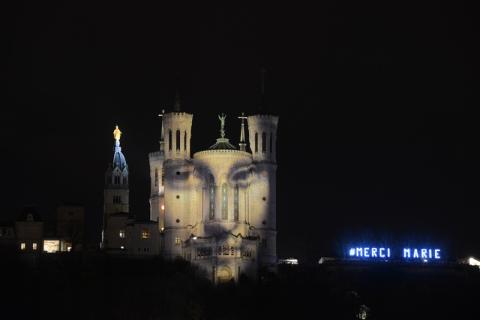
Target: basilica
(215,208)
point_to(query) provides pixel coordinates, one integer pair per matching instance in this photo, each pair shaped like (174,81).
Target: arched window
(185,141)
(178,140)
(125,180)
(224,201)
(116,180)
(271,142)
(170,142)
(236,209)
(211,191)
(163,175)
(156,177)
(256,142)
(264,142)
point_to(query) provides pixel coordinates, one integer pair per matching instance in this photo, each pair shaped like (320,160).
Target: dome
(119,160)
(222,144)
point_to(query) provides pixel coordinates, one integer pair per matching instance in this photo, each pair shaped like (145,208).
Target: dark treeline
(100,287)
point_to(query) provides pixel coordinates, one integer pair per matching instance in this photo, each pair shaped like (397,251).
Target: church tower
(116,194)
(157,182)
(262,131)
(178,172)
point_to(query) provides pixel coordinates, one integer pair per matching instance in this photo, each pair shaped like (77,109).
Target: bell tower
(116,192)
(157,182)
(178,173)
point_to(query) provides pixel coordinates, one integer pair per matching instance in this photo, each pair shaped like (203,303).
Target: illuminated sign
(385,253)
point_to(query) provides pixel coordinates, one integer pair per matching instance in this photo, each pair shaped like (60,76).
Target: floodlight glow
(473,262)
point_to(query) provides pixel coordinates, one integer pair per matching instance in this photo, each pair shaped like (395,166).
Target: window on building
(163,176)
(23,246)
(145,234)
(264,243)
(211,198)
(178,241)
(116,180)
(117,199)
(256,142)
(264,142)
(185,141)
(224,201)
(271,142)
(170,142)
(156,177)
(232,251)
(51,246)
(34,246)
(121,234)
(125,180)
(236,209)
(178,140)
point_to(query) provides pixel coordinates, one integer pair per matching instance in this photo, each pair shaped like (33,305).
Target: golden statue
(117,133)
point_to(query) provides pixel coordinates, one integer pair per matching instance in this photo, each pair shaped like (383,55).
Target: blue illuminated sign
(386,253)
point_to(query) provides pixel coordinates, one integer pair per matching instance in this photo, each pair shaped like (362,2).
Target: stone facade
(217,209)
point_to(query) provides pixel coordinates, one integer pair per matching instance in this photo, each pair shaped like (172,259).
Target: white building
(216,209)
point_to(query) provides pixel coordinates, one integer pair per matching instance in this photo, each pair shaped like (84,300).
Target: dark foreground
(98,287)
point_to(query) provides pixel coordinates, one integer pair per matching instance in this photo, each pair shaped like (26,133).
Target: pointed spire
(176,106)
(162,135)
(263,71)
(242,144)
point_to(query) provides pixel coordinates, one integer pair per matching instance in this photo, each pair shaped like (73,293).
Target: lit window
(224,202)
(121,234)
(23,246)
(145,234)
(163,207)
(178,241)
(51,246)
(34,246)
(69,248)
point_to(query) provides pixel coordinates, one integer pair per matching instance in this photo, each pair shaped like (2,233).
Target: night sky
(375,143)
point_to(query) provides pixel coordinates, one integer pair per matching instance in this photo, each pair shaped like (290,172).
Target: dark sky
(375,143)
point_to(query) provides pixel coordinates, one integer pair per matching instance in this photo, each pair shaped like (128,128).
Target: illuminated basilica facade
(216,209)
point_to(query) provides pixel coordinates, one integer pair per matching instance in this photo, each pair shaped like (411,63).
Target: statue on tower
(117,134)
(222,118)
